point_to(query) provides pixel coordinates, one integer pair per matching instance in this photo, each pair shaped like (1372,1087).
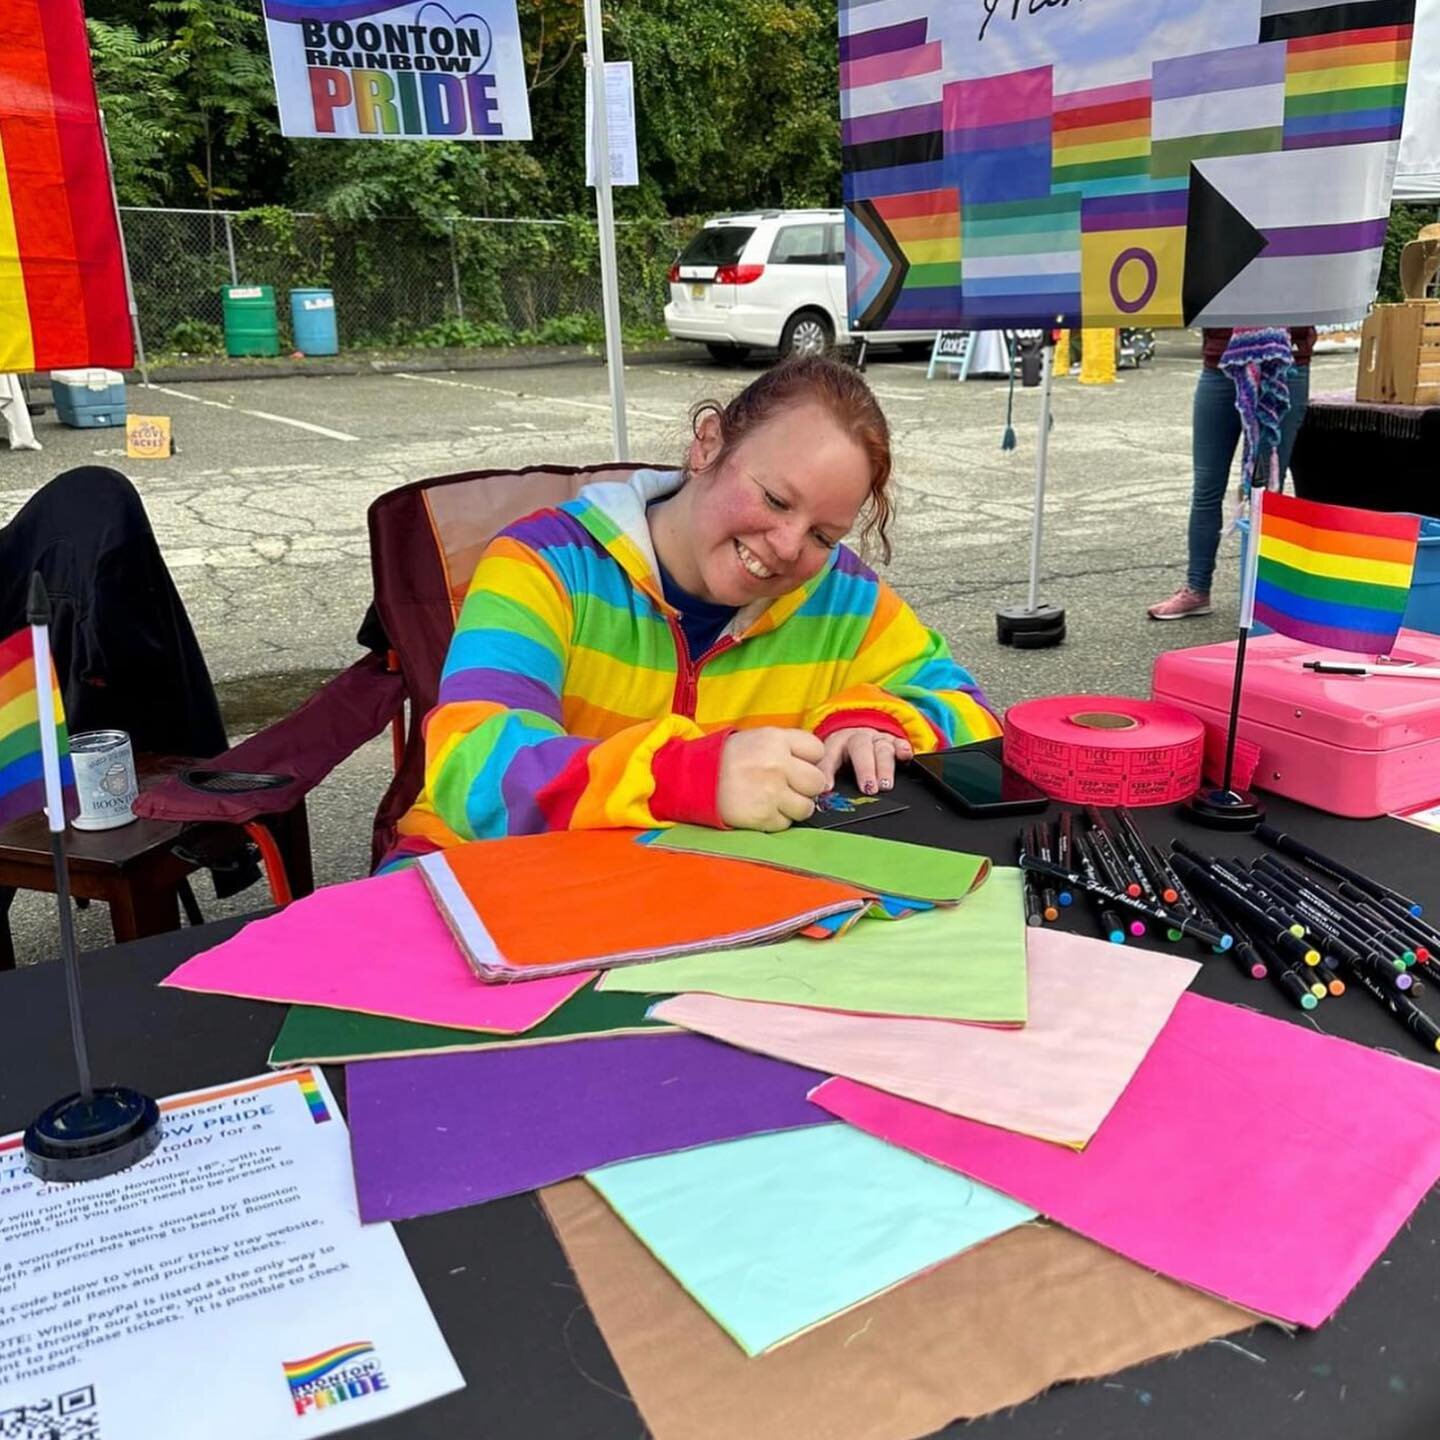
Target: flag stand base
(84,1137)
(1224,809)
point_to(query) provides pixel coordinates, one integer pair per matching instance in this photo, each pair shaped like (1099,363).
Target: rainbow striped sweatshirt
(569,698)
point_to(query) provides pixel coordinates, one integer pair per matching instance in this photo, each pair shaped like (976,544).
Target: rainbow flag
(1346,88)
(22,785)
(1331,575)
(62,275)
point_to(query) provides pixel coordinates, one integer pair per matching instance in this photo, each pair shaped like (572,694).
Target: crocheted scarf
(1258,362)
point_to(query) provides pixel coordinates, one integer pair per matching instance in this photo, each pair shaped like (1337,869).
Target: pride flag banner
(62,275)
(1332,575)
(22,784)
(1118,163)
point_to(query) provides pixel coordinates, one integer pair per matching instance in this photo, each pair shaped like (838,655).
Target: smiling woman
(695,645)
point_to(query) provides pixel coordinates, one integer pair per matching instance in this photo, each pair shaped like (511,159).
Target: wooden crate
(1400,354)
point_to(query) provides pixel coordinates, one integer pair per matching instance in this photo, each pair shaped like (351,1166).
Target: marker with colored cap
(1247,958)
(1289,845)
(1285,973)
(1325,934)
(1029,887)
(1316,900)
(1239,907)
(1107,866)
(1093,886)
(1234,881)
(1405,1010)
(1111,925)
(1045,848)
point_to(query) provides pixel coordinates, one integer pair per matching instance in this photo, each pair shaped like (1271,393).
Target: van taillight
(674,275)
(738,274)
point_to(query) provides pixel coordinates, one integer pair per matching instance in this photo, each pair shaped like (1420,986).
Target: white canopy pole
(605,215)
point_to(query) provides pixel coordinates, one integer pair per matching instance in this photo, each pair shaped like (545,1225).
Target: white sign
(415,71)
(619,125)
(222,1287)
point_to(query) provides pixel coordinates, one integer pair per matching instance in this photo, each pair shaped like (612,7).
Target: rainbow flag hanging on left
(62,273)
(1332,575)
(22,784)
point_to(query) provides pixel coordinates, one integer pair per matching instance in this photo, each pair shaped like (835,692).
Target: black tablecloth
(535,1365)
(1379,457)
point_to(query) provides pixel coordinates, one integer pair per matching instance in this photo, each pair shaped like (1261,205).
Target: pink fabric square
(1249,1157)
(379,946)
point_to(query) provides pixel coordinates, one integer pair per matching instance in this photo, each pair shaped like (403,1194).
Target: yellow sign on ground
(147,437)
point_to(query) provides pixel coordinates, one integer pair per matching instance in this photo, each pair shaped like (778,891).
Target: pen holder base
(1217,809)
(85,1138)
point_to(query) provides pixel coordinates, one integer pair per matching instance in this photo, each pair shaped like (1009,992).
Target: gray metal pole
(230,250)
(605,214)
(455,272)
(125,260)
(1042,456)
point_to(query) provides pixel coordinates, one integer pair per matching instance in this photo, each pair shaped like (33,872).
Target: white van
(773,280)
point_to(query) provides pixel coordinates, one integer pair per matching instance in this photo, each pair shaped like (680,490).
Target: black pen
(1047,853)
(1108,867)
(1324,903)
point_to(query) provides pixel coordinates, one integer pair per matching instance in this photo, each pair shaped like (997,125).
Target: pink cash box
(1354,745)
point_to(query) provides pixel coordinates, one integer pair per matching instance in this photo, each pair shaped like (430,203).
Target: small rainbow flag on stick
(22,783)
(1329,575)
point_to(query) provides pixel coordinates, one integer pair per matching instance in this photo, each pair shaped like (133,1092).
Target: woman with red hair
(695,645)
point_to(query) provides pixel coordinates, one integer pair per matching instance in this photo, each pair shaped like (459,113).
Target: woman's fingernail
(869,787)
(886,784)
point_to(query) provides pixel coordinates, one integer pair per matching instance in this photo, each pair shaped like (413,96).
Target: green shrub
(197,337)
(457,333)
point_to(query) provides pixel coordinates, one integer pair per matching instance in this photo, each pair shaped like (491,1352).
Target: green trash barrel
(251,325)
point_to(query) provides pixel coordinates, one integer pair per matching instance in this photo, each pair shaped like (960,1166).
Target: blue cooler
(312,320)
(1423,611)
(88,399)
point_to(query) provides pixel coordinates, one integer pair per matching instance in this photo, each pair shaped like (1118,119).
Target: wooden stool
(133,868)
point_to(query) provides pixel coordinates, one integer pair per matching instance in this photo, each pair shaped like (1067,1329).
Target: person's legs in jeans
(1214,435)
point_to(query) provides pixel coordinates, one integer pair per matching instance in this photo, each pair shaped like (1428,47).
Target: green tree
(221,45)
(138,80)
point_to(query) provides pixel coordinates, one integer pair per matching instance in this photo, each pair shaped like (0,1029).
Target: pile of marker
(1271,918)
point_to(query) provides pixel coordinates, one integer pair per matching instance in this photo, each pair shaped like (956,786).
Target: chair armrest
(304,747)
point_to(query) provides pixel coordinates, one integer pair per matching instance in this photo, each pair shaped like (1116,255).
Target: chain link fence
(397,282)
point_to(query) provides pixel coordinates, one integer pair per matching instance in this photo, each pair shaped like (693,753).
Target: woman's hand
(871,755)
(769,778)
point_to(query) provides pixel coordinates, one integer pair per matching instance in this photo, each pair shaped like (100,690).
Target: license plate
(697,292)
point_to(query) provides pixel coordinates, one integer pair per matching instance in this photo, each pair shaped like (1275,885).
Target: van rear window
(719,245)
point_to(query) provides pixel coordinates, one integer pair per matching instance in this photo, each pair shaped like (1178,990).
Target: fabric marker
(1028,886)
(1036,845)
(1414,932)
(1218,873)
(1285,973)
(1046,850)
(1326,935)
(1188,903)
(1183,923)
(1322,901)
(1149,856)
(1406,1011)
(1240,907)
(1359,957)
(1247,958)
(1107,863)
(1111,925)
(1332,982)
(1288,845)
(1104,841)
(1381,924)
(1303,973)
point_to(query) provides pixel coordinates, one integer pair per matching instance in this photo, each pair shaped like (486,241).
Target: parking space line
(259,414)
(532,395)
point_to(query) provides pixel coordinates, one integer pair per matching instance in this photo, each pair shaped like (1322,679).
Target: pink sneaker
(1184,604)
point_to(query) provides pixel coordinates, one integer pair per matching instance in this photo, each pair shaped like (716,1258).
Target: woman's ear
(706,444)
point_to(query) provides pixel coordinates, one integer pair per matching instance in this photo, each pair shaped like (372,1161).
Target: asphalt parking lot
(261,517)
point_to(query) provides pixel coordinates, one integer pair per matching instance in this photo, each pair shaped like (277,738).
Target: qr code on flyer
(71,1416)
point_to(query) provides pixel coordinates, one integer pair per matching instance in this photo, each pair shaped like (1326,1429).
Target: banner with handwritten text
(1015,163)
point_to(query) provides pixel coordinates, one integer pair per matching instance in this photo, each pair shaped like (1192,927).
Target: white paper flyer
(222,1287)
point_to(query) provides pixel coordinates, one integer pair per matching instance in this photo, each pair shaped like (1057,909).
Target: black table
(1378,457)
(535,1365)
